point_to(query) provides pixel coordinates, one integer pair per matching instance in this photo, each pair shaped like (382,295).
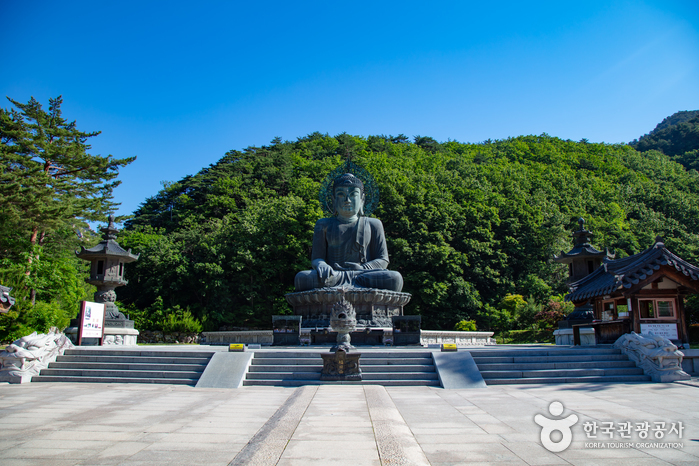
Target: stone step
(140,353)
(368,361)
(555,365)
(560,373)
(397,368)
(133,359)
(399,375)
(592,379)
(365,355)
(298,383)
(158,374)
(548,359)
(283,376)
(286,361)
(54,378)
(398,361)
(542,352)
(365,376)
(286,368)
(126,367)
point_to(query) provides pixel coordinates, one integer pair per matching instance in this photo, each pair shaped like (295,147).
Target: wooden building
(644,293)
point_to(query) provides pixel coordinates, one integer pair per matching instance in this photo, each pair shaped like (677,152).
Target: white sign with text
(668,331)
(92,320)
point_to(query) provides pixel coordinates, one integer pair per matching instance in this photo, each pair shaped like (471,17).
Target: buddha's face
(349,201)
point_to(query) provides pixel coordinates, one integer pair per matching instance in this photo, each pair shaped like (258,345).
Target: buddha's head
(348,196)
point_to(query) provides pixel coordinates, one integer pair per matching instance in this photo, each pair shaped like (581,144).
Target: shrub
(549,318)
(38,318)
(525,336)
(182,322)
(465,326)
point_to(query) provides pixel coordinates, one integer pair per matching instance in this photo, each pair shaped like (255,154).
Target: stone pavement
(112,424)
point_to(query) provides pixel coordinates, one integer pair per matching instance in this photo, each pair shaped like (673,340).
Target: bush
(549,318)
(525,336)
(465,326)
(39,318)
(182,322)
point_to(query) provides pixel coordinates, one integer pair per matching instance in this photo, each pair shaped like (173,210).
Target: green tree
(48,180)
(50,187)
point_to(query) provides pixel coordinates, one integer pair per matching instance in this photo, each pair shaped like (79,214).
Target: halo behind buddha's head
(349,174)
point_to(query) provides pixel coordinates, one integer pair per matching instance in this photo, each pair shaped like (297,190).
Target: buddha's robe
(362,242)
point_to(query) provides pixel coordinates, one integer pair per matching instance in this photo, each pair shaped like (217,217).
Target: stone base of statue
(341,366)
(374,307)
(113,336)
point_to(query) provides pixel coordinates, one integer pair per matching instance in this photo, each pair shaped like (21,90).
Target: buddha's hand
(324,270)
(348,266)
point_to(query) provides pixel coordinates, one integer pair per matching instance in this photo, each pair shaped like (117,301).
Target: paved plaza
(141,424)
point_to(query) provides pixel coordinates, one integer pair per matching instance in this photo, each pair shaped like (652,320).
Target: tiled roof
(106,248)
(583,250)
(629,271)
(582,247)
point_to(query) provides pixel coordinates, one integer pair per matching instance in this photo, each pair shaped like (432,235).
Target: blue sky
(180,83)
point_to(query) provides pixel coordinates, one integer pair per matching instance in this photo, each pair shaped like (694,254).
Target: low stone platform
(427,337)
(374,307)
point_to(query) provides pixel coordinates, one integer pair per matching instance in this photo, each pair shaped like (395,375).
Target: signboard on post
(91,321)
(668,331)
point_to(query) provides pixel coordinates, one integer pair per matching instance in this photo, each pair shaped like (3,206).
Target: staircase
(291,369)
(569,365)
(126,366)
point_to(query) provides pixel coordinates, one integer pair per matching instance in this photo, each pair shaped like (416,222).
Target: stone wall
(156,336)
(428,337)
(262,337)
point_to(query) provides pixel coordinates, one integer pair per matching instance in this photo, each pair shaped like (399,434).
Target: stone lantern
(107,273)
(583,259)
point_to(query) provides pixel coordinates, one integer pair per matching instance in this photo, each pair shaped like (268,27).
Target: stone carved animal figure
(656,355)
(28,355)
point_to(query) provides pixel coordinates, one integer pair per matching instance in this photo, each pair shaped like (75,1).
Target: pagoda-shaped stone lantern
(107,273)
(582,260)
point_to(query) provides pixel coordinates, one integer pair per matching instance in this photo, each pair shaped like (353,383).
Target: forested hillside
(466,224)
(676,136)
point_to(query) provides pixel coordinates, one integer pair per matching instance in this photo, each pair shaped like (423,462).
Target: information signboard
(668,331)
(91,321)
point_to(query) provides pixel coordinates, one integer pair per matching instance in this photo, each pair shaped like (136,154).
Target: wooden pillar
(636,314)
(682,322)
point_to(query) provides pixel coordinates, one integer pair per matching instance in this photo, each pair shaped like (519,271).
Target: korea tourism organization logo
(549,426)
(557,433)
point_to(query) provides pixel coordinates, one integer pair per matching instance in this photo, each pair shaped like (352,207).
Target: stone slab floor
(94,424)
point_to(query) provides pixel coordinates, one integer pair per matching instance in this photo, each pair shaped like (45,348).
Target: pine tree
(48,180)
